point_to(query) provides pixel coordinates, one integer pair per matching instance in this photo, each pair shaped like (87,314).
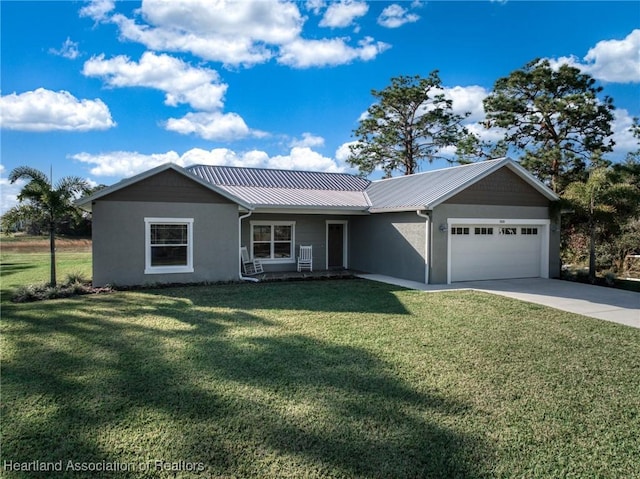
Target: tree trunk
(555,173)
(592,252)
(52,248)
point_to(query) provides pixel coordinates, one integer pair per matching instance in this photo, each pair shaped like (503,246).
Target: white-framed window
(508,231)
(459,231)
(483,230)
(168,245)
(273,241)
(529,231)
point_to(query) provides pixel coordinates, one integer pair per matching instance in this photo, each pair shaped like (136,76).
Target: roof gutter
(427,243)
(400,209)
(240,276)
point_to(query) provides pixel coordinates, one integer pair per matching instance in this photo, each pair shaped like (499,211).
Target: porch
(274,276)
(275,240)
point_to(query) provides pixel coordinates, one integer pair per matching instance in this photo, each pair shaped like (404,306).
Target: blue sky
(105,90)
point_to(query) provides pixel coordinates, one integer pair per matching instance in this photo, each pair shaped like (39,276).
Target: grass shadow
(8,269)
(336,296)
(144,377)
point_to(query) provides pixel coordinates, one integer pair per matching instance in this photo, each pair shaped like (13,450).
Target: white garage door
(495,251)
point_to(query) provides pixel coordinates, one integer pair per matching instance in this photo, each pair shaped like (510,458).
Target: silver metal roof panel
(267,178)
(293,197)
(422,190)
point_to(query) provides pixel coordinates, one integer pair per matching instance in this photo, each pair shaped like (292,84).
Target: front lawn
(317,379)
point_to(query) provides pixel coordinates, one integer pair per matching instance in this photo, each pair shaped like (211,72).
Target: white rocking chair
(250,266)
(305,259)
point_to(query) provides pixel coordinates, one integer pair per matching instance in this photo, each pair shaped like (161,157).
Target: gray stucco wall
(440,215)
(309,230)
(389,243)
(119,241)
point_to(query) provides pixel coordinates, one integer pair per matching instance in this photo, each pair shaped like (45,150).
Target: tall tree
(600,199)
(52,202)
(411,121)
(555,117)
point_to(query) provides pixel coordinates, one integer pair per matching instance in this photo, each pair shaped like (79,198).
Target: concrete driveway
(595,301)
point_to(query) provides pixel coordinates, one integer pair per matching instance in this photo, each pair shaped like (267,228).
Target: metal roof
(427,190)
(284,179)
(423,189)
(280,189)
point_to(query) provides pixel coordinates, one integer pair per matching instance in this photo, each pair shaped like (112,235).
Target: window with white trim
(483,231)
(508,231)
(529,231)
(168,245)
(459,231)
(273,241)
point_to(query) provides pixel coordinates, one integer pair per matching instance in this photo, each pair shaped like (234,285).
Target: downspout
(427,244)
(243,278)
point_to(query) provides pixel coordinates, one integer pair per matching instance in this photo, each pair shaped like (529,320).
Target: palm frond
(28,173)
(72,186)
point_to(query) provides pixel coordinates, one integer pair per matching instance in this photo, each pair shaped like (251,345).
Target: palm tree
(599,199)
(52,202)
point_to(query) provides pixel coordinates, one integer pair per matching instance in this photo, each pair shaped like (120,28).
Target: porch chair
(305,259)
(250,266)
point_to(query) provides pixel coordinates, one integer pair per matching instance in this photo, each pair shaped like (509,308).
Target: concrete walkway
(594,301)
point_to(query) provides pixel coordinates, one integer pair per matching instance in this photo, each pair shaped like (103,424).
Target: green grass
(319,379)
(25,261)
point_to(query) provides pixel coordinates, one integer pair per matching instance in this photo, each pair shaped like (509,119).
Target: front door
(335,245)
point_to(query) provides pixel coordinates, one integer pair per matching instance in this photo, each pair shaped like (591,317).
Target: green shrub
(74,285)
(76,277)
(29,293)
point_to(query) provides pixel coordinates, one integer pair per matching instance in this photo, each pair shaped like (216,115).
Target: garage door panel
(495,256)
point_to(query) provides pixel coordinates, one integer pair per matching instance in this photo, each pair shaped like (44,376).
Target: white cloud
(328,52)
(395,16)
(467,99)
(234,32)
(8,192)
(124,163)
(490,135)
(244,32)
(120,164)
(343,13)
(304,158)
(232,50)
(614,61)
(212,126)
(182,83)
(624,139)
(308,140)
(224,157)
(344,151)
(46,110)
(97,9)
(69,49)
(270,21)
(316,6)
